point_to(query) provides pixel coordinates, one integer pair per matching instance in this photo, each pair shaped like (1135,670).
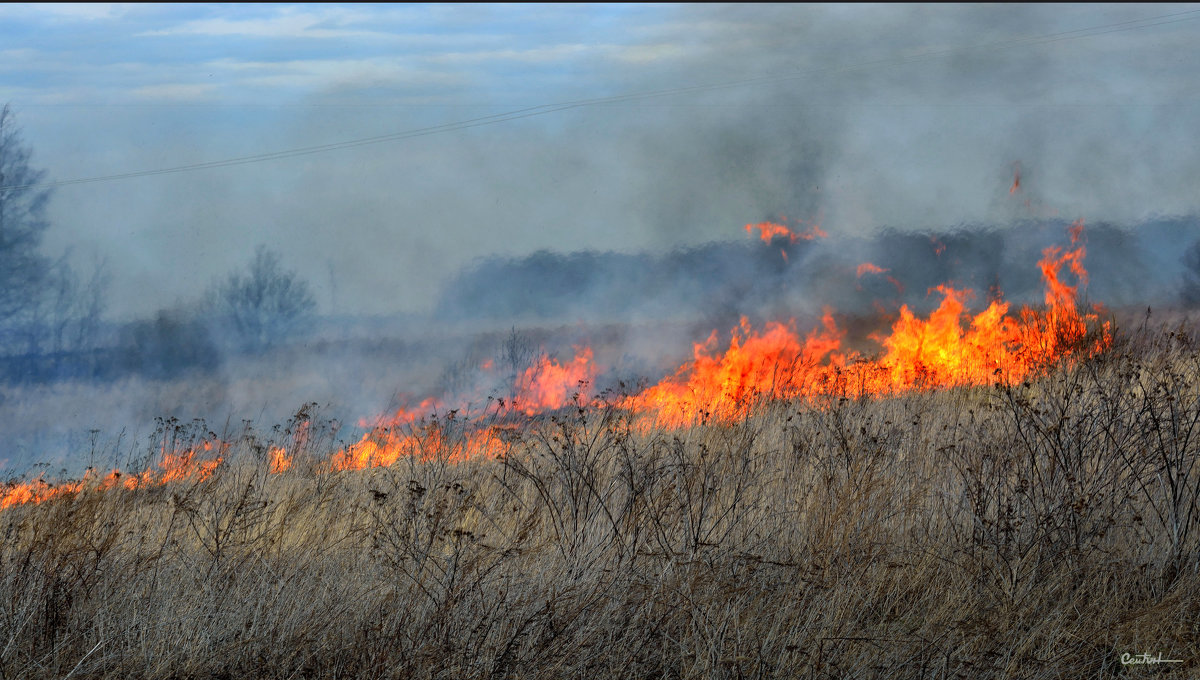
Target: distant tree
(47,311)
(174,342)
(73,306)
(1190,291)
(23,271)
(262,304)
(63,315)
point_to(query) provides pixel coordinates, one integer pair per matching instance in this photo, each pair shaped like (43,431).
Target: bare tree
(22,223)
(263,304)
(45,307)
(73,306)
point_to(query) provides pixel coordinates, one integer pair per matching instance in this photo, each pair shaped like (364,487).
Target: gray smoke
(897,129)
(856,117)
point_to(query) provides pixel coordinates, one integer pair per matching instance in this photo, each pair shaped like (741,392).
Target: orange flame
(36,491)
(545,386)
(280,461)
(768,231)
(868,268)
(548,385)
(726,386)
(429,442)
(173,467)
(949,348)
(404,416)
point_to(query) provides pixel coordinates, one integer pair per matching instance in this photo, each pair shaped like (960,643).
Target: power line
(543,109)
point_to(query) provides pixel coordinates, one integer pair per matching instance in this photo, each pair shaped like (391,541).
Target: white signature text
(1128,659)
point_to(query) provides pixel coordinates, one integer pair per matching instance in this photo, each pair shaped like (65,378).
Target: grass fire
(599,341)
(983,488)
(948,349)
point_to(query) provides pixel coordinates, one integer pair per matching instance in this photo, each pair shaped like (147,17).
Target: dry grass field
(1041,530)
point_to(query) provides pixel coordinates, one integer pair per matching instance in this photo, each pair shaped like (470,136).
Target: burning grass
(1035,530)
(994,495)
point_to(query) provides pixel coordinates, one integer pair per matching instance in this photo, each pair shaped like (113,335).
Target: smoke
(718,282)
(641,313)
(859,117)
(896,129)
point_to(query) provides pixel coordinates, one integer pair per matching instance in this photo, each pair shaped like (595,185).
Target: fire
(868,268)
(280,460)
(1060,296)
(951,347)
(545,386)
(174,466)
(941,352)
(424,443)
(405,415)
(768,231)
(548,385)
(727,385)
(36,491)
(184,465)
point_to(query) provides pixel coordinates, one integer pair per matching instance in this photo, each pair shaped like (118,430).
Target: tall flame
(549,385)
(951,347)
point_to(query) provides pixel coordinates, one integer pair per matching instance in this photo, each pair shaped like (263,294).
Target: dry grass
(1038,531)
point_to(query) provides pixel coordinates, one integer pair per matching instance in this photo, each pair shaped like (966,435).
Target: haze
(858,116)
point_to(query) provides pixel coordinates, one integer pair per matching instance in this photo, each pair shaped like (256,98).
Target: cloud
(646,54)
(179,92)
(318,74)
(547,54)
(69,11)
(10,60)
(285,24)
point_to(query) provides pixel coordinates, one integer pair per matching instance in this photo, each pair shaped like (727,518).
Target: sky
(508,129)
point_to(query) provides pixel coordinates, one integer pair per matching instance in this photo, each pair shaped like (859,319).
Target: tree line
(52,314)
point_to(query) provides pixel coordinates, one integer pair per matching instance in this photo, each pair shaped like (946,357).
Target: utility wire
(543,109)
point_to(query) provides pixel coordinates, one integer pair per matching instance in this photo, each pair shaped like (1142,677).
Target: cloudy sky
(502,130)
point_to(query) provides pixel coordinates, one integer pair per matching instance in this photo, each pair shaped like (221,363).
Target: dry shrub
(1033,531)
